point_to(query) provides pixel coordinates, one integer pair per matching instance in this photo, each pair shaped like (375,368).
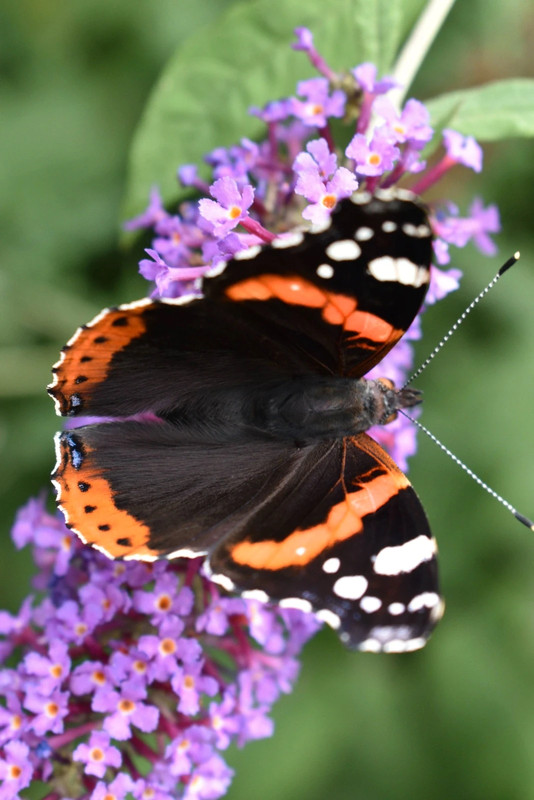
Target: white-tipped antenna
(524,520)
(520,517)
(506,266)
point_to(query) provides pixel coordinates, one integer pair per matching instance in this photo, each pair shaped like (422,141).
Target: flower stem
(414,51)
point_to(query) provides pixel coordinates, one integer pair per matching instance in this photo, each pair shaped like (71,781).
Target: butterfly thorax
(312,408)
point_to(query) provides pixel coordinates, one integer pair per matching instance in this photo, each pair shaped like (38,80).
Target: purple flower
(209,780)
(49,710)
(463,149)
(365,75)
(164,598)
(124,709)
(98,754)
(442,283)
(318,104)
(53,670)
(189,684)
(374,157)
(121,786)
(15,769)
(485,221)
(410,125)
(457,230)
(229,207)
(320,181)
(305,43)
(13,720)
(170,281)
(190,749)
(154,213)
(216,618)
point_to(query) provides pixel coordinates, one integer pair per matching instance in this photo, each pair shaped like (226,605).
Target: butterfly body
(236,427)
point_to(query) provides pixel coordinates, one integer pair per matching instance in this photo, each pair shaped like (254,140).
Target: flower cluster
(262,189)
(131,678)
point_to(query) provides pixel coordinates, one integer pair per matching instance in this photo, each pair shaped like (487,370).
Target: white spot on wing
(360,198)
(246,255)
(325,615)
(321,227)
(417,231)
(350,587)
(402,270)
(186,552)
(331,565)
(370,604)
(396,608)
(217,269)
(325,271)
(386,195)
(405,557)
(404,645)
(370,646)
(404,194)
(224,581)
(363,234)
(423,600)
(288,240)
(256,594)
(389,226)
(344,250)
(296,602)
(131,557)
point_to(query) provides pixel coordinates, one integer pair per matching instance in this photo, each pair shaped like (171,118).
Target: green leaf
(498,110)
(244,58)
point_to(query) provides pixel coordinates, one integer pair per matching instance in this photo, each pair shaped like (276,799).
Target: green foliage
(497,110)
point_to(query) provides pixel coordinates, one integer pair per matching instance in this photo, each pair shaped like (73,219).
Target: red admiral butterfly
(250,447)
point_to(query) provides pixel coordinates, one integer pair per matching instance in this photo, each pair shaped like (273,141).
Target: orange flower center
(167,647)
(329,200)
(234,212)
(126,706)
(164,602)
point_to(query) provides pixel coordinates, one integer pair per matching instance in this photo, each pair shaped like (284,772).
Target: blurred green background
(455,720)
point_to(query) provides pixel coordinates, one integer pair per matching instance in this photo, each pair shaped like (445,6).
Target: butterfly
(235,426)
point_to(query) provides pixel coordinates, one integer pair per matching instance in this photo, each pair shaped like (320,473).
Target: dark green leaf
(491,112)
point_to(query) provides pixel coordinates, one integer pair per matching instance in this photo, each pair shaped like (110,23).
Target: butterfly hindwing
(333,527)
(349,539)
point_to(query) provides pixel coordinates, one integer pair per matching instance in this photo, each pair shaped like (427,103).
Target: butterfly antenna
(506,266)
(520,517)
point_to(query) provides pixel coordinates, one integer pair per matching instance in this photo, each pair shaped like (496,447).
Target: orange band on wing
(344,520)
(337,309)
(86,364)
(87,502)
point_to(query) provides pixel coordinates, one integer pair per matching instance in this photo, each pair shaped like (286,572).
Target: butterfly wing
(348,539)
(319,303)
(333,527)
